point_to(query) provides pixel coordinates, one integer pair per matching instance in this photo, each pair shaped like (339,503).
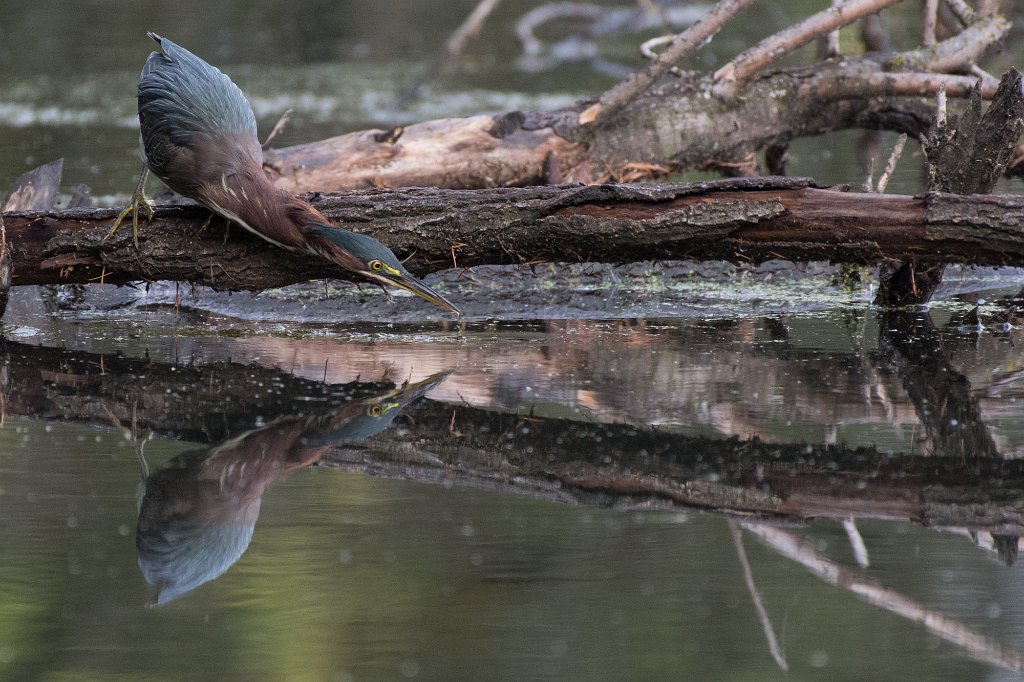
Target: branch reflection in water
(198,512)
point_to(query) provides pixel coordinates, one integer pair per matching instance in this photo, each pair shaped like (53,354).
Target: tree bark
(743,219)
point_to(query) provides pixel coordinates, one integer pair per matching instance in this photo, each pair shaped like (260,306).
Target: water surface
(654,471)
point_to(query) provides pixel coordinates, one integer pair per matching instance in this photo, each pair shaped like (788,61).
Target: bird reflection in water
(197,513)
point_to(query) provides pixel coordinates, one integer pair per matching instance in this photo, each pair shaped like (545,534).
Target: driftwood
(701,121)
(743,219)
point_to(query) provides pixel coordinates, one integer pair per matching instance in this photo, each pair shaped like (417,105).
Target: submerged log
(744,219)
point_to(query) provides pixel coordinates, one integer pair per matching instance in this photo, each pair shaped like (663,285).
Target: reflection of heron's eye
(376,411)
(376,265)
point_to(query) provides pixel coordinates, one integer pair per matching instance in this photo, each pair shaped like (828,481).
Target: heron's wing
(188,106)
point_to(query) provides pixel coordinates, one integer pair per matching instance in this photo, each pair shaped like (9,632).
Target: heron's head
(365,256)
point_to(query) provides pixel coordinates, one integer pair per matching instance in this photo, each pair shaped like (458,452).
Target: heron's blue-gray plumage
(189,108)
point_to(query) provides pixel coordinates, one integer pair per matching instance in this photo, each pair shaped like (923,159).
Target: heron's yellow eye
(376,410)
(376,265)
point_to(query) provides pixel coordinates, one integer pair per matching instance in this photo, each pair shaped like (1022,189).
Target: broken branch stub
(971,152)
(967,154)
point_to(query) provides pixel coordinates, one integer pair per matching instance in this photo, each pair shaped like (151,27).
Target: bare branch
(957,53)
(894,84)
(977,645)
(755,595)
(731,78)
(621,94)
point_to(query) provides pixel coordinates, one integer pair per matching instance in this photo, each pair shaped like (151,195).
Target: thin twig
(897,151)
(860,550)
(453,47)
(755,594)
(647,50)
(731,78)
(618,96)
(931,13)
(832,39)
(278,127)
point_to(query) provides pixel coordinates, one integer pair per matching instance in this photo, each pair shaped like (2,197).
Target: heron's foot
(206,223)
(139,203)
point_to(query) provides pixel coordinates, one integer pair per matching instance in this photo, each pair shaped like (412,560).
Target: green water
(560,496)
(354,577)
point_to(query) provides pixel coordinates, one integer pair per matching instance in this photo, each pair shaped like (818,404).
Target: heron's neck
(254,202)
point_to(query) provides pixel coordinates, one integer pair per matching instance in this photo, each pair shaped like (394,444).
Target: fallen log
(741,219)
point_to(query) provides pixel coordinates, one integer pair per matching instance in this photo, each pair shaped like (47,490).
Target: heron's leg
(206,223)
(138,202)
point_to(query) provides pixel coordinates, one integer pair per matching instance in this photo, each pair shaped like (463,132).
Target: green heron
(199,137)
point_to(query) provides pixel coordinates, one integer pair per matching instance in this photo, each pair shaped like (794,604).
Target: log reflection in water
(945,403)
(198,512)
(560,459)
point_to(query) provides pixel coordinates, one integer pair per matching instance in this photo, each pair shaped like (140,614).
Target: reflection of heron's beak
(403,280)
(410,392)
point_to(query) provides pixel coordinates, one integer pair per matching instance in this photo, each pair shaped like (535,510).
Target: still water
(764,497)
(654,471)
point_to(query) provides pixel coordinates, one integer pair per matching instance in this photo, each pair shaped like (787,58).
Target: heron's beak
(403,280)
